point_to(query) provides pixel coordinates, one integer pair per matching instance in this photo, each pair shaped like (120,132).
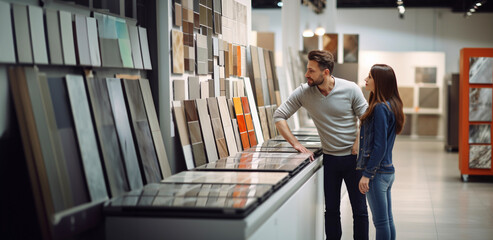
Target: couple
(335,106)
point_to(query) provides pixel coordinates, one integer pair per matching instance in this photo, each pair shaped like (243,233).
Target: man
(334,105)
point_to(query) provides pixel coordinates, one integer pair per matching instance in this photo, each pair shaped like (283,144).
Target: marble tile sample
(53,34)
(38,38)
(181,126)
(479,133)
(481,70)
(206,127)
(425,75)
(135,43)
(227,125)
(406,129)
(351,47)
(407,96)
(427,125)
(198,148)
(179,90)
(330,43)
(480,156)
(144,46)
(67,38)
(429,97)
(7,36)
(22,34)
(227,177)
(480,104)
(117,101)
(86,137)
(107,135)
(142,132)
(217,126)
(82,40)
(92,35)
(193,88)
(178,54)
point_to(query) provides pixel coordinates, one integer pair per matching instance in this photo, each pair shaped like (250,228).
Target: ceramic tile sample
(202,55)
(407,96)
(92,35)
(429,97)
(181,126)
(227,177)
(22,34)
(144,46)
(480,156)
(270,79)
(351,46)
(425,75)
(270,121)
(406,129)
(179,90)
(217,126)
(53,34)
(7,37)
(427,125)
(67,38)
(108,40)
(198,148)
(107,135)
(124,43)
(481,70)
(38,38)
(82,40)
(204,89)
(178,55)
(193,88)
(480,133)
(242,128)
(263,76)
(206,127)
(125,137)
(177,12)
(227,125)
(264,123)
(253,110)
(480,104)
(135,43)
(249,121)
(330,43)
(86,137)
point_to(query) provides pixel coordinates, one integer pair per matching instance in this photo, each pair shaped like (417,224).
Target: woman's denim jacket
(376,142)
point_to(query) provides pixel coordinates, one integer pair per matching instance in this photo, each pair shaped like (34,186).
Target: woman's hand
(364,185)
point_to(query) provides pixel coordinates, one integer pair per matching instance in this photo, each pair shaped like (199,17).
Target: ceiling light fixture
(475,7)
(320,31)
(401,8)
(308,33)
(279,4)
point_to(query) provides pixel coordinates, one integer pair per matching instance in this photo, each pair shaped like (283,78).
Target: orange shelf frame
(464,86)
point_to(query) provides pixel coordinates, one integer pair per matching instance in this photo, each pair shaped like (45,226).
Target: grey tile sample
(480,104)
(179,90)
(107,135)
(22,34)
(479,133)
(82,40)
(181,126)
(206,127)
(92,35)
(429,97)
(86,138)
(124,43)
(481,70)
(54,36)
(193,88)
(425,75)
(480,156)
(144,46)
(142,132)
(427,125)
(67,37)
(38,38)
(135,42)
(108,41)
(7,36)
(125,138)
(407,96)
(227,126)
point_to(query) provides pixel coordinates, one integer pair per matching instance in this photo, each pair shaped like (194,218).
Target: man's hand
(302,149)
(364,185)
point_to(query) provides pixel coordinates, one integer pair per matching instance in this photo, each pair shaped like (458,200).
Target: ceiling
(454,5)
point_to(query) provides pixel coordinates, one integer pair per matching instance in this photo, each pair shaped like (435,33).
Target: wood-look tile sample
(178,54)
(480,156)
(7,36)
(263,76)
(230,59)
(330,43)
(259,93)
(92,35)
(272,126)
(67,38)
(217,126)
(181,126)
(427,125)
(193,88)
(22,34)
(429,97)
(125,137)
(204,89)
(144,46)
(82,40)
(38,38)
(135,43)
(270,80)
(206,127)
(242,128)
(227,126)
(249,121)
(350,48)
(480,104)
(108,139)
(198,148)
(142,132)
(177,13)
(124,43)
(480,70)
(155,129)
(253,110)
(179,90)
(406,129)
(86,137)
(264,123)
(425,75)
(479,133)
(407,96)
(53,34)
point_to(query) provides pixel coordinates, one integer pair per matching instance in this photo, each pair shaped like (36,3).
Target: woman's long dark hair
(385,90)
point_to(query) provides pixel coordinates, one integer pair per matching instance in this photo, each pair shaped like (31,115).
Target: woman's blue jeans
(379,199)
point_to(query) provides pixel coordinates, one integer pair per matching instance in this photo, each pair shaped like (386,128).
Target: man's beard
(317,82)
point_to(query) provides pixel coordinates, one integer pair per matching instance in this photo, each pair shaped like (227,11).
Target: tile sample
(264,123)
(429,97)
(108,41)
(177,14)
(263,76)
(270,79)
(479,133)
(480,104)
(480,156)
(204,89)
(7,36)
(310,43)
(181,126)
(407,96)
(272,126)
(135,43)
(351,48)
(144,46)
(227,177)
(38,38)
(242,127)
(193,88)
(406,129)
(427,125)
(202,54)
(92,35)
(249,121)
(227,125)
(198,148)
(217,127)
(67,38)
(330,43)
(22,34)
(53,34)
(253,110)
(82,40)
(179,90)
(177,50)
(107,135)
(425,75)
(206,127)
(124,43)
(125,137)
(481,70)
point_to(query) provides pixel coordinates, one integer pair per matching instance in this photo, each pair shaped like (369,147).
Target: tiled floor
(429,199)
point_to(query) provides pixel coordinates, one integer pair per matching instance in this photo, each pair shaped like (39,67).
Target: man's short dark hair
(324,59)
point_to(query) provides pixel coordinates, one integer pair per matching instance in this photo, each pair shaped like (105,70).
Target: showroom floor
(429,199)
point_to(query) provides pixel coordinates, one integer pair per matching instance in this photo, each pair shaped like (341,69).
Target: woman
(381,122)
